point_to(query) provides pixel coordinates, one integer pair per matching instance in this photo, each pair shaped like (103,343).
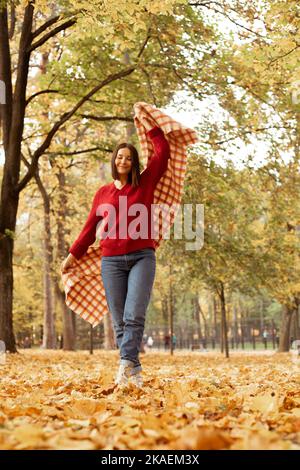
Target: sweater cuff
(78,251)
(155,131)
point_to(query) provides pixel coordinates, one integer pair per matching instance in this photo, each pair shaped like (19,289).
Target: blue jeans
(128,280)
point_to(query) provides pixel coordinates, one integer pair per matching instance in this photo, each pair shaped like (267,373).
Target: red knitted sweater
(124,227)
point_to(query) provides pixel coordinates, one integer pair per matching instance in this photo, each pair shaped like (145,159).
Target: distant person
(265,337)
(150,342)
(27,342)
(167,341)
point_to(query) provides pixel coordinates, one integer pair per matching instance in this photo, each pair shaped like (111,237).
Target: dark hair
(134,175)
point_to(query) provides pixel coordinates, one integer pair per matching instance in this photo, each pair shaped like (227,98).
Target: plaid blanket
(82,282)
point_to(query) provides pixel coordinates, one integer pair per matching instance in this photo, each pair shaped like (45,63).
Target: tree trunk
(196,312)
(285,329)
(261,314)
(165,312)
(91,332)
(204,322)
(6,293)
(235,326)
(224,320)
(171,311)
(215,319)
(12,116)
(296,335)
(49,334)
(69,320)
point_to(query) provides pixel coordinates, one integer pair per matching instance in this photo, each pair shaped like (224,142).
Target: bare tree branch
(106,118)
(245,132)
(44,26)
(283,55)
(40,93)
(77,152)
(209,6)
(145,42)
(51,33)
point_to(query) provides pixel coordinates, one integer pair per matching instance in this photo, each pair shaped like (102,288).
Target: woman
(128,261)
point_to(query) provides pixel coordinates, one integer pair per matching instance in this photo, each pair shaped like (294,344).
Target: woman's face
(123,161)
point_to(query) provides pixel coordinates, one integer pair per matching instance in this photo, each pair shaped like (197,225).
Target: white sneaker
(137,379)
(124,373)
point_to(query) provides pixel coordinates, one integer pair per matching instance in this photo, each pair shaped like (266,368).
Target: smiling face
(123,161)
(125,164)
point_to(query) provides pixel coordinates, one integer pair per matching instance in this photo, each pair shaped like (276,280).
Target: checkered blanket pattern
(82,282)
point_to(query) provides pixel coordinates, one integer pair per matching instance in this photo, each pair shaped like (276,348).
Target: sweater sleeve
(159,160)
(87,235)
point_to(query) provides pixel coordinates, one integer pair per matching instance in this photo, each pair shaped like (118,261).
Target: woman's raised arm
(159,160)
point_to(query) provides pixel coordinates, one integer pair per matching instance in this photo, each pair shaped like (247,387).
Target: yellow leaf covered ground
(59,400)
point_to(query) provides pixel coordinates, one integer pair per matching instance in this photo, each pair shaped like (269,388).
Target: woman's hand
(69,261)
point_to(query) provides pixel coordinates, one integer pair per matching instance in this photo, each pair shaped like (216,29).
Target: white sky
(192,117)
